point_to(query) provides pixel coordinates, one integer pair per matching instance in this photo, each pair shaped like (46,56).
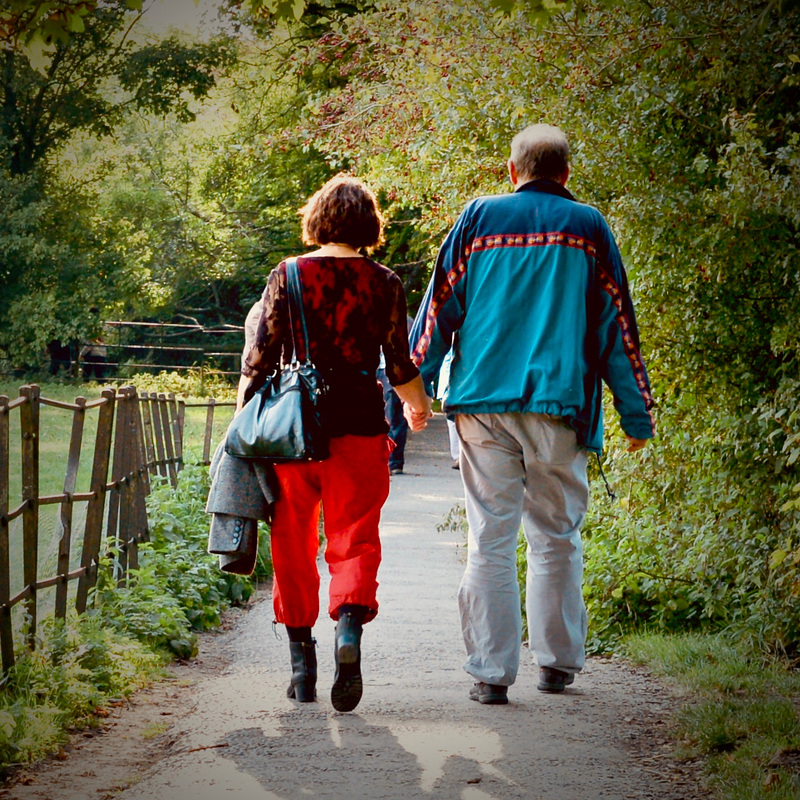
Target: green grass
(743,713)
(75,670)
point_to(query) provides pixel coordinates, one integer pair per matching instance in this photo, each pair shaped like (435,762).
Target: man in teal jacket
(530,293)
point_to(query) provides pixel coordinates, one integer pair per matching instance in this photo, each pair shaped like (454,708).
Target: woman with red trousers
(354,307)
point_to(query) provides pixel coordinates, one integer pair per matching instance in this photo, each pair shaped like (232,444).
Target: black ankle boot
(304,671)
(347,684)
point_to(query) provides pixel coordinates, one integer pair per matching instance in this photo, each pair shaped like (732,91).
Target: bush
(194,382)
(129,631)
(75,668)
(178,588)
(705,535)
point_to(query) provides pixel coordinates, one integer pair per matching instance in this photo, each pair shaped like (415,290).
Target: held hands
(416,403)
(416,417)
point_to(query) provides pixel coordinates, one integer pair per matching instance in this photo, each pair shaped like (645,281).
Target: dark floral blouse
(353,308)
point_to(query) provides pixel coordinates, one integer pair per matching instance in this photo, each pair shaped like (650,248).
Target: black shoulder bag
(285,418)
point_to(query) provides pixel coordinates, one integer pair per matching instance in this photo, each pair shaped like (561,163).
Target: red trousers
(352,484)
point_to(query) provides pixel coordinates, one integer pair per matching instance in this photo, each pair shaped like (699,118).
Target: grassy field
(55,433)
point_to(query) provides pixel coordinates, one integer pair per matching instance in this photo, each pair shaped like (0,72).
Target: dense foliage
(684,128)
(59,257)
(74,670)
(178,588)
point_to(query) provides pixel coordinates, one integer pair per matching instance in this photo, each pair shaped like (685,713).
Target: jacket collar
(547,186)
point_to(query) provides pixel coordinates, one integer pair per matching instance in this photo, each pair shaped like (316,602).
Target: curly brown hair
(343,211)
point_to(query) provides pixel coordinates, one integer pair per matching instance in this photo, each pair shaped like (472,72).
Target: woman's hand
(417,418)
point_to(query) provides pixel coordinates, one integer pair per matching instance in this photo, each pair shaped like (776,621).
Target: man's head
(539,152)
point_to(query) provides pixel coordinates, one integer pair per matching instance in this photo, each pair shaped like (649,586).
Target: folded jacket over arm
(242,492)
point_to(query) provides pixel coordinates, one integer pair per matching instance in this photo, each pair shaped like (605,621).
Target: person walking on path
(530,293)
(354,307)
(395,416)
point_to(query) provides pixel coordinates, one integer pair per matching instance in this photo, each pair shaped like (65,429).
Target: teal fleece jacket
(530,293)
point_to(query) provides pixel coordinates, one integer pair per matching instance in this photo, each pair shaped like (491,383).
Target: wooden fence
(127,347)
(138,437)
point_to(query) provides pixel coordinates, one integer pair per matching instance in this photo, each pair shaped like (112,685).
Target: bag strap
(295,287)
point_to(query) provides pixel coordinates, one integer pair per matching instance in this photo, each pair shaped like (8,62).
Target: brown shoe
(554,680)
(489,694)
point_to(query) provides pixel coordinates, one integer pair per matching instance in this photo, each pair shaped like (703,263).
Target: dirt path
(233,734)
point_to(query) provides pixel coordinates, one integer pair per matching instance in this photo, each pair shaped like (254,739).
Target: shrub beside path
(234,734)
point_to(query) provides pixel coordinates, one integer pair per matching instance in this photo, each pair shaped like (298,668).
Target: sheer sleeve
(400,368)
(264,354)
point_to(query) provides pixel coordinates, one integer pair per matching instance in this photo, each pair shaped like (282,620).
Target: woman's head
(343,211)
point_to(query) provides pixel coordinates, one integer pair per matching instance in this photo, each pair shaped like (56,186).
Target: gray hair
(540,151)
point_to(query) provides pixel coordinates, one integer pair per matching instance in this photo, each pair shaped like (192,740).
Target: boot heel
(348,649)
(305,692)
(304,672)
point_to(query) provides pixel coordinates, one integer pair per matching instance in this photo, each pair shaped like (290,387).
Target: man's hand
(636,444)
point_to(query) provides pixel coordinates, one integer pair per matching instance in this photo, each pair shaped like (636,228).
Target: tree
(72,88)
(86,81)
(26,22)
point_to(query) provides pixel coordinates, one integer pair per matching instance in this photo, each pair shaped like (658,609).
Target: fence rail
(139,436)
(125,345)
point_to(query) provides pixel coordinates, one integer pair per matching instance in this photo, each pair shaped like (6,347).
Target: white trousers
(522,468)
(452,435)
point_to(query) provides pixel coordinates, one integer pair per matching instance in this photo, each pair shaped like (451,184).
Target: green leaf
(504,6)
(777,558)
(7,724)
(76,24)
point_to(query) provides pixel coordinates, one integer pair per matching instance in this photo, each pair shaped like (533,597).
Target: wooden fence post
(132,514)
(70,480)
(181,423)
(168,446)
(116,515)
(158,430)
(147,435)
(209,432)
(177,432)
(95,511)
(6,633)
(117,521)
(29,431)
(141,438)
(137,487)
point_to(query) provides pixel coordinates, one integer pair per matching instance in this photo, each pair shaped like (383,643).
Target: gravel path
(234,734)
